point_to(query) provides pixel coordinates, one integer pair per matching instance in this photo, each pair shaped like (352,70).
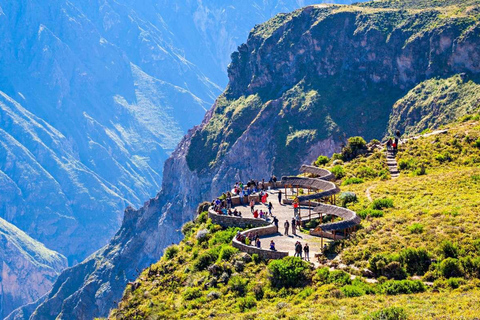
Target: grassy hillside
(423,251)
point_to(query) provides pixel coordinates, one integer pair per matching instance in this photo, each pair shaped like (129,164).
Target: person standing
(280,196)
(270,207)
(286,225)
(306,251)
(275,221)
(294,228)
(252,205)
(272,245)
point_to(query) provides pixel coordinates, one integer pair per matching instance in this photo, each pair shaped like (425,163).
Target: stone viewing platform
(311,196)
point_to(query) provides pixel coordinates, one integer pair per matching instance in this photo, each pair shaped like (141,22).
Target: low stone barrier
(232,221)
(265,254)
(323,234)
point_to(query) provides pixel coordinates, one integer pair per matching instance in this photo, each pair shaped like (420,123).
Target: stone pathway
(283,242)
(392,164)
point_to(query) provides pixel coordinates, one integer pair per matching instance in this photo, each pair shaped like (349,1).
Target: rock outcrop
(27,268)
(301,84)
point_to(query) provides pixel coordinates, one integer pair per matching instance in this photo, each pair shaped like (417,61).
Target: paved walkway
(285,212)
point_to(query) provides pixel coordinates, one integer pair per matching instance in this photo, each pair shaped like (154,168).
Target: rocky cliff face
(301,84)
(27,268)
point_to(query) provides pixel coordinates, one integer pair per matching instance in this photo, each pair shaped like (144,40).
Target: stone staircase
(392,164)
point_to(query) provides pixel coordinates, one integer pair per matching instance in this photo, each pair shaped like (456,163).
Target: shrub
(443,157)
(379,204)
(191,293)
(223,237)
(454,283)
(205,259)
(421,171)
(322,275)
(391,313)
(226,253)
(338,172)
(202,217)
(416,261)
(339,277)
(476,144)
(348,197)
(171,252)
(256,258)
(471,266)
(352,181)
(238,285)
(394,270)
(246,303)
(353,147)
(448,249)
(377,263)
(394,287)
(366,172)
(352,291)
(451,267)
(370,213)
(187,228)
(321,161)
(289,272)
(337,156)
(416,228)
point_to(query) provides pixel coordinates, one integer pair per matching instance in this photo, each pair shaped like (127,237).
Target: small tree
(321,161)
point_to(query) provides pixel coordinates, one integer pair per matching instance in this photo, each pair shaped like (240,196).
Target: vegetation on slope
(419,241)
(433,103)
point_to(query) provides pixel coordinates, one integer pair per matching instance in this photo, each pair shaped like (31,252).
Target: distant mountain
(27,268)
(300,85)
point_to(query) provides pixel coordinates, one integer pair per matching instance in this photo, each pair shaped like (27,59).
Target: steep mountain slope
(120,84)
(27,268)
(301,84)
(433,103)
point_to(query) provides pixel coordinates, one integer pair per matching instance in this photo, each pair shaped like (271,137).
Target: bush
(205,259)
(187,228)
(337,156)
(289,272)
(471,266)
(202,217)
(348,197)
(258,291)
(451,267)
(223,237)
(321,161)
(377,263)
(454,283)
(394,287)
(238,285)
(352,291)
(444,157)
(352,181)
(256,258)
(226,253)
(370,213)
(339,278)
(391,313)
(353,147)
(191,293)
(448,249)
(379,204)
(476,144)
(366,172)
(394,270)
(322,275)
(338,172)
(171,252)
(416,228)
(246,303)
(416,261)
